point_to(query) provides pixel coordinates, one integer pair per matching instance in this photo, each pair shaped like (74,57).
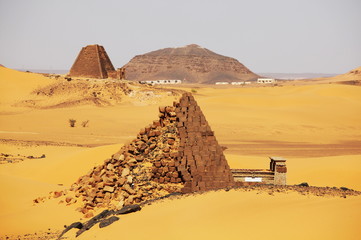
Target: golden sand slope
(254,118)
(23,182)
(26,181)
(352,77)
(239,215)
(16,86)
(318,113)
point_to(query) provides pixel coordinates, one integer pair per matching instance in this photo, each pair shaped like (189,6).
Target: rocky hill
(352,77)
(191,64)
(354,74)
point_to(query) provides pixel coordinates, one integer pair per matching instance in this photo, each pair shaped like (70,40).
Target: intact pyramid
(92,62)
(176,153)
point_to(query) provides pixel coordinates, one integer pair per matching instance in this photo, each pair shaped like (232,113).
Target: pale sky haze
(291,36)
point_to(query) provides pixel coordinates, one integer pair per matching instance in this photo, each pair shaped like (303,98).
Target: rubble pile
(176,153)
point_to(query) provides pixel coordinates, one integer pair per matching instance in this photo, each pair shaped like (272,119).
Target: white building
(222,83)
(266,80)
(237,83)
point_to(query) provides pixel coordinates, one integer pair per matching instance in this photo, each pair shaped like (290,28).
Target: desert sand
(315,126)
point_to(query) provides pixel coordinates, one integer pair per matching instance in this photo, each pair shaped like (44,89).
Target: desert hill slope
(352,77)
(15,85)
(354,74)
(191,64)
(44,91)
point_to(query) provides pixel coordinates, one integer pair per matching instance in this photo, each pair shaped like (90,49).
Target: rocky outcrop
(191,64)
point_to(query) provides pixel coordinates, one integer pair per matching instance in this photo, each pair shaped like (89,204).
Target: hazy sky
(313,36)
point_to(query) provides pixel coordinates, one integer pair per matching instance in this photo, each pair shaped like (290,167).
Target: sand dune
(23,182)
(237,215)
(352,77)
(11,80)
(316,127)
(318,114)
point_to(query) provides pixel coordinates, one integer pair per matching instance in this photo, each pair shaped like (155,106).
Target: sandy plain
(315,126)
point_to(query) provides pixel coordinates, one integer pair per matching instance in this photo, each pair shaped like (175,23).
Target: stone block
(108,189)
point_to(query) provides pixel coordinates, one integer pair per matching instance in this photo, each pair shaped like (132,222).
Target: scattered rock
(128,209)
(108,221)
(94,220)
(108,189)
(125,172)
(77,225)
(58,194)
(304,184)
(89,215)
(9,158)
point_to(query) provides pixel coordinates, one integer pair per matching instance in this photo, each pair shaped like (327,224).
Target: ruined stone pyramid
(92,62)
(177,153)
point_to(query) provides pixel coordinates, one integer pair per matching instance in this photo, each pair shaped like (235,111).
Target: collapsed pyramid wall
(177,152)
(202,163)
(92,62)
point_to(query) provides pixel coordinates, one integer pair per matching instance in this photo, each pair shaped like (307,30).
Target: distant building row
(259,80)
(266,80)
(153,82)
(232,83)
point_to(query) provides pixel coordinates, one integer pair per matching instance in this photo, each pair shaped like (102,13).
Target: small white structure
(222,83)
(153,82)
(253,179)
(237,83)
(266,80)
(247,82)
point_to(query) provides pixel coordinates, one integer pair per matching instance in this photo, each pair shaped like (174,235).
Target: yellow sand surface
(240,117)
(239,215)
(22,182)
(317,113)
(16,85)
(316,127)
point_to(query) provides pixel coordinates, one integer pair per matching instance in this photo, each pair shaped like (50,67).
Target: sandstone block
(108,189)
(58,194)
(125,172)
(89,215)
(130,190)
(162,109)
(130,179)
